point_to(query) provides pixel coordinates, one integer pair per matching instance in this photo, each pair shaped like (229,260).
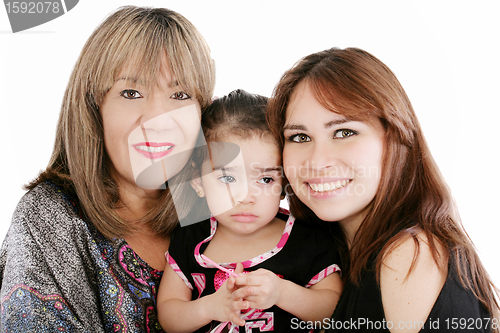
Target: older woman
(86,246)
(354,154)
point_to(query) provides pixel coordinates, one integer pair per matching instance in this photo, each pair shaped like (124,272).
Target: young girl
(284,265)
(354,153)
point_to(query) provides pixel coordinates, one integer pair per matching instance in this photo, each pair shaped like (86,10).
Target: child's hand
(261,288)
(226,305)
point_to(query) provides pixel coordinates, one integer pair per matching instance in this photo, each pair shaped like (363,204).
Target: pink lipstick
(154,150)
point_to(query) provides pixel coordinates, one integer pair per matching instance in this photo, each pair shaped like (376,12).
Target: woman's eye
(343,133)
(265,180)
(227,179)
(180,95)
(300,138)
(130,94)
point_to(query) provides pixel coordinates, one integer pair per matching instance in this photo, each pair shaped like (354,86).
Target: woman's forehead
(145,74)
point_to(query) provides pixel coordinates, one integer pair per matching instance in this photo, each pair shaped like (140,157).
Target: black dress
(305,255)
(456,309)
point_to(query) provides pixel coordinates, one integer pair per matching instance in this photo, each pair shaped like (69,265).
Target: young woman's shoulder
(411,279)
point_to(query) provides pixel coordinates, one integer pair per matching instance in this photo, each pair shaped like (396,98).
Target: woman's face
(145,128)
(333,164)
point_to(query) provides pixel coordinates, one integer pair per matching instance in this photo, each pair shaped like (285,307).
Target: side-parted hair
(139,38)
(412,194)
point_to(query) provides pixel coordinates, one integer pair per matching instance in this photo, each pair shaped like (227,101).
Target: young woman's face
(333,164)
(244,195)
(145,126)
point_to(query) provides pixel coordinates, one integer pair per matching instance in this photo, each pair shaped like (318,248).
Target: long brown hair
(131,36)
(412,194)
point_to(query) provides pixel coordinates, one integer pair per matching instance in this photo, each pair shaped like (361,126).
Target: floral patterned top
(59,274)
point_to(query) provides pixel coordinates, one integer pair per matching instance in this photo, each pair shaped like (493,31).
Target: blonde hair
(140,38)
(412,194)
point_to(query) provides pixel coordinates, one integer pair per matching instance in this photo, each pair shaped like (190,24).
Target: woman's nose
(157,116)
(322,155)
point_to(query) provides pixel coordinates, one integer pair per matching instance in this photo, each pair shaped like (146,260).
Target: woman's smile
(154,150)
(319,187)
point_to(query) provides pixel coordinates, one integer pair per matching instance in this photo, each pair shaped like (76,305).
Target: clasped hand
(259,289)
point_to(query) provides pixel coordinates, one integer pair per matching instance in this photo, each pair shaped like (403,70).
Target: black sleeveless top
(456,309)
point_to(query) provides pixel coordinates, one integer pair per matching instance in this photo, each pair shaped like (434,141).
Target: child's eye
(180,96)
(299,138)
(227,179)
(265,180)
(343,133)
(130,94)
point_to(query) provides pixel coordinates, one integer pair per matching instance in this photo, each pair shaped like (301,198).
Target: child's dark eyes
(265,180)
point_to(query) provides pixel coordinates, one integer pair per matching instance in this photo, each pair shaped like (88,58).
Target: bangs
(148,42)
(343,97)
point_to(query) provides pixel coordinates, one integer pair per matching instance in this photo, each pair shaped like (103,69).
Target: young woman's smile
(332,163)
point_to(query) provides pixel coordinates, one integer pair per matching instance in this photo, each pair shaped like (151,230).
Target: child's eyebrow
(269,169)
(225,168)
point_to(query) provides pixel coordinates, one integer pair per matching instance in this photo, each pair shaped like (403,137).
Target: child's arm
(309,304)
(177,313)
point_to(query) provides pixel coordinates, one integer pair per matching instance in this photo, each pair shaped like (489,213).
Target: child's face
(244,195)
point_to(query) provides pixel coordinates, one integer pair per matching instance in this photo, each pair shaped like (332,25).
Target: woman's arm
(178,313)
(410,297)
(48,281)
(266,289)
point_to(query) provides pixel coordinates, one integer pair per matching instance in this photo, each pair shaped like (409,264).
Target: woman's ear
(197,185)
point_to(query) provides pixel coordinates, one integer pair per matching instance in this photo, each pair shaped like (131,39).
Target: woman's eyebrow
(327,125)
(337,122)
(294,127)
(173,84)
(132,79)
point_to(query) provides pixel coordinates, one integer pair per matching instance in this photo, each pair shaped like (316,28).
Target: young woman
(86,245)
(354,153)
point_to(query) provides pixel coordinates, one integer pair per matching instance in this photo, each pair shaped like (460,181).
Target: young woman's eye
(180,96)
(343,133)
(299,138)
(265,180)
(130,94)
(227,179)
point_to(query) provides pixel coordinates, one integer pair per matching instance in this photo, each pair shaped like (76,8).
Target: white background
(445,53)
